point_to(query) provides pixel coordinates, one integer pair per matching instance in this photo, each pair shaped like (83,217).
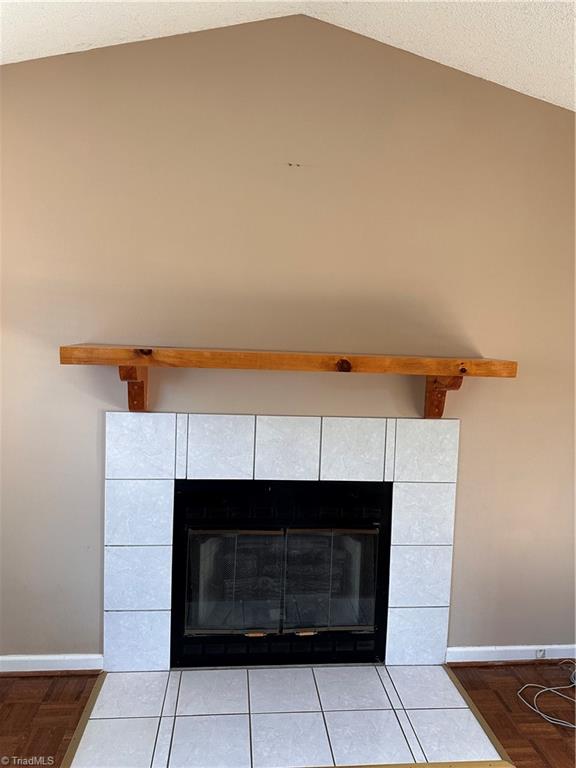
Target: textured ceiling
(527,46)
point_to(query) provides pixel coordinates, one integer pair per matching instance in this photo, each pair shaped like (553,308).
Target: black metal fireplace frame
(241,504)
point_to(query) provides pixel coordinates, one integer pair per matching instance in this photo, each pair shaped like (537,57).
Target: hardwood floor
(38,714)
(530,741)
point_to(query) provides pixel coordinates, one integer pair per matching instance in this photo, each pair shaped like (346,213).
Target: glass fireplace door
(278,582)
(330,580)
(234,581)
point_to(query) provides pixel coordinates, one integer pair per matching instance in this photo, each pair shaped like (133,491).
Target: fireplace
(279,572)
(243,539)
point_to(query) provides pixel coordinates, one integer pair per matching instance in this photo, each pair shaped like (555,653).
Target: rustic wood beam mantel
(442,373)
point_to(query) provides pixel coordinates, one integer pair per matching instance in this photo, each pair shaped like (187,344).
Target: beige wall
(147,199)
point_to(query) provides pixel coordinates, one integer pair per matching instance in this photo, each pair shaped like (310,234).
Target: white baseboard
(509,652)
(95,661)
(51,662)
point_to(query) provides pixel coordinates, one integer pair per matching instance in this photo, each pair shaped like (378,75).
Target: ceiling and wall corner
(526,46)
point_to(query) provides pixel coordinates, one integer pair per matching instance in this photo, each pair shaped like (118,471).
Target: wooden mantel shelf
(441,373)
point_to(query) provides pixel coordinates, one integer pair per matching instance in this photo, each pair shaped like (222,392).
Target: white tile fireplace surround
(146,452)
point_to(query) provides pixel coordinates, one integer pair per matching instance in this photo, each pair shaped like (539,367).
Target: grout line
(408,608)
(404,734)
(385,462)
(139,479)
(174,723)
(320,448)
(175,445)
(127,717)
(177,688)
(425,482)
(254,450)
(383,478)
(144,480)
(394,708)
(279,712)
(178,694)
(324,716)
(170,743)
(168,479)
(131,546)
(139,610)
(395,448)
(406,713)
(433,709)
(405,727)
(220,714)
(104,532)
(415,734)
(160,720)
(394,686)
(388,699)
(187,443)
(283,712)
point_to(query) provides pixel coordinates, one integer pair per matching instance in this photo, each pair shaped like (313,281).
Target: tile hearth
(290,717)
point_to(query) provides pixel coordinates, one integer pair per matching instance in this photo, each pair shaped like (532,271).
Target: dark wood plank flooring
(38,714)
(530,741)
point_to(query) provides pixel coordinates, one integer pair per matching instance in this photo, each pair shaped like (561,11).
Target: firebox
(279,572)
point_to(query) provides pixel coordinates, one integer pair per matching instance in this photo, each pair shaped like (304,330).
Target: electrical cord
(557,691)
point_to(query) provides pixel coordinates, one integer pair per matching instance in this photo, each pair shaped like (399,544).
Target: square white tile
(163,743)
(137,578)
(120,742)
(290,741)
(416,636)
(215,741)
(426,450)
(389,687)
(283,690)
(423,513)
(139,512)
(287,448)
(171,697)
(427,687)
(213,692)
(220,447)
(352,449)
(136,641)
(140,446)
(372,736)
(131,694)
(420,576)
(451,735)
(350,688)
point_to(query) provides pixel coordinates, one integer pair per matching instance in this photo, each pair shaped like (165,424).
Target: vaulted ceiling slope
(526,46)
